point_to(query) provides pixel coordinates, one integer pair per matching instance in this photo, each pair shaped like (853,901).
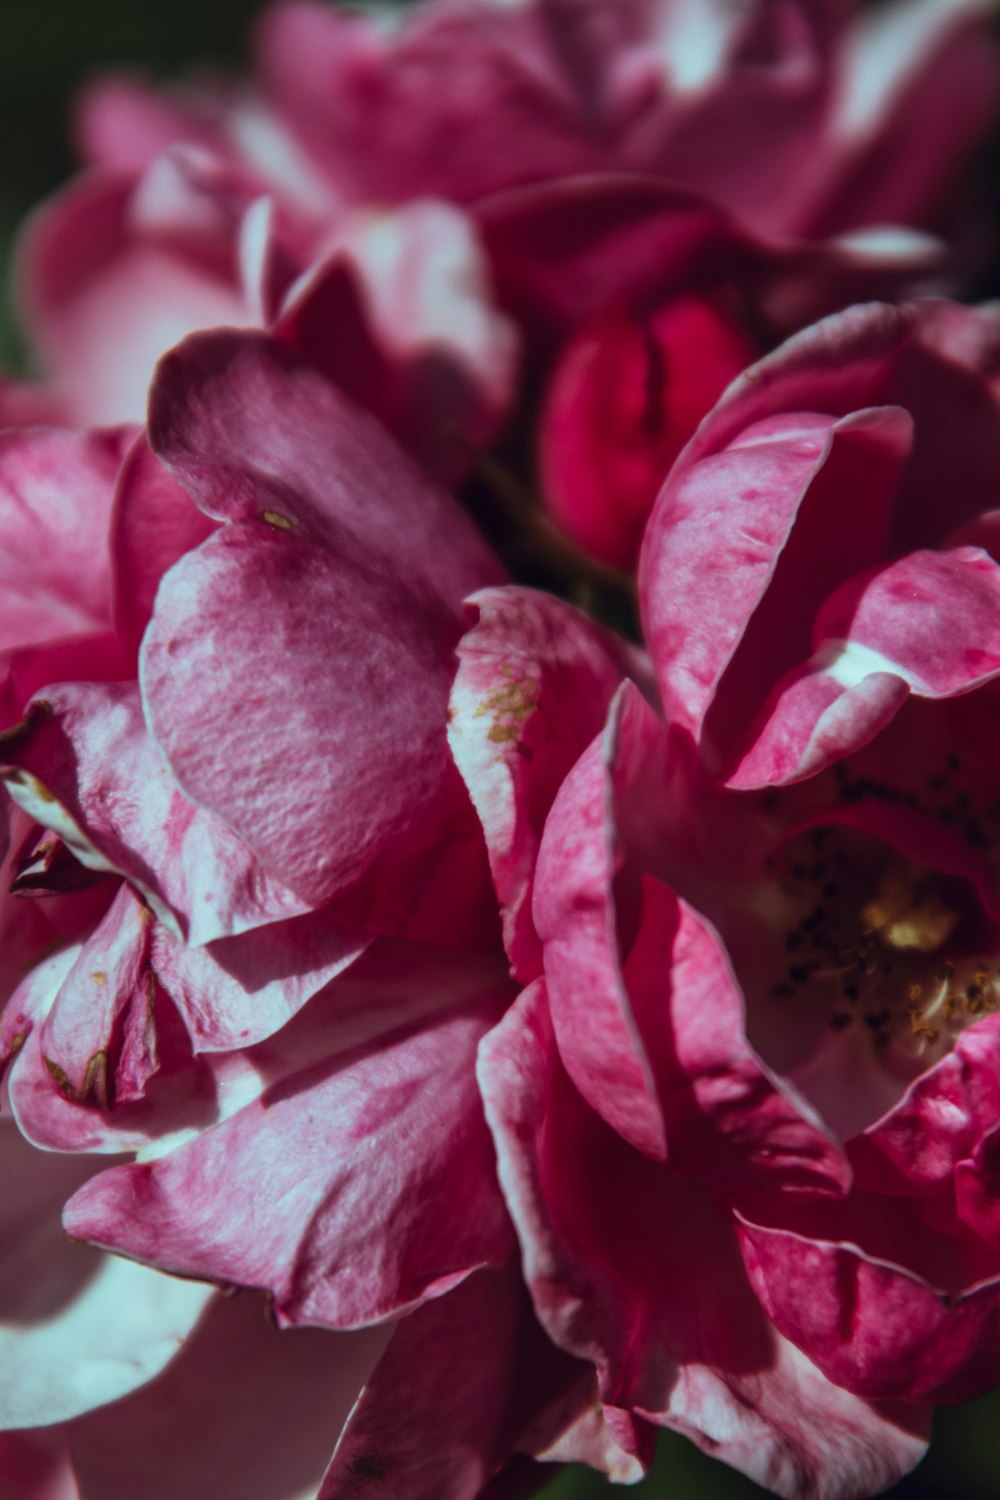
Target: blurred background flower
(51,48)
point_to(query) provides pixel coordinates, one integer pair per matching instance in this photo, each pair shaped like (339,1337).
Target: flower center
(895,947)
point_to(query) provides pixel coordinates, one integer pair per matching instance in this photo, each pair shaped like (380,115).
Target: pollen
(906,916)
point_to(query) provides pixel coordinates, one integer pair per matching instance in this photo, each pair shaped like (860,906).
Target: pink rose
(745,1109)
(396,193)
(216,226)
(276,1004)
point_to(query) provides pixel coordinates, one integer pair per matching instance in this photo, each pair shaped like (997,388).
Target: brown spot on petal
(510,706)
(368,1469)
(60,1078)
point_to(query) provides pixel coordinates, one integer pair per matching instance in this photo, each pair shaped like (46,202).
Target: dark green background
(49,48)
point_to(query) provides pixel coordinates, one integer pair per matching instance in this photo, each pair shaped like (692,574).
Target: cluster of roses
(562,1029)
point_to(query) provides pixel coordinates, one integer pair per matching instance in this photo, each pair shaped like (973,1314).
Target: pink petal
(741,543)
(55,505)
(917,98)
(633,1267)
(358,564)
(35,1466)
(929,358)
(103,301)
(125,123)
(75,766)
(534,681)
(398,314)
(600,1036)
(417,1430)
(903,1337)
(927,624)
(938,1123)
(153,525)
(109,981)
(352,1188)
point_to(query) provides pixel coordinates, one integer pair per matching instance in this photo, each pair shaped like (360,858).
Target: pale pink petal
(77,1328)
(103,299)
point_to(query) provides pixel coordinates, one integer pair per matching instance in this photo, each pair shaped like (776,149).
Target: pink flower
(745,1108)
(589,135)
(392,305)
(275,1004)
(395,194)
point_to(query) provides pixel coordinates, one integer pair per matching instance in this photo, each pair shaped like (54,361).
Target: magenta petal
(418,1430)
(599,1035)
(351,1188)
(358,566)
(534,681)
(244,1412)
(904,1337)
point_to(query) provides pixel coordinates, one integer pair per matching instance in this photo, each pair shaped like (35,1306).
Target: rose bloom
(641,195)
(746,1107)
(253,903)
